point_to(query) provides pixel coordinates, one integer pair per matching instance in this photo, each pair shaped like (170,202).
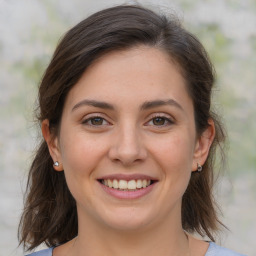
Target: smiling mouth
(127,185)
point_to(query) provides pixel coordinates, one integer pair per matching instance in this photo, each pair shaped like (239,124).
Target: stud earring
(56,164)
(199,167)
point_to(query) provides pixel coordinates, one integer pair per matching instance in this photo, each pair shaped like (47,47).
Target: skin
(129,137)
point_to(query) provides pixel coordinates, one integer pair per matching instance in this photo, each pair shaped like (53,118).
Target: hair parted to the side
(50,210)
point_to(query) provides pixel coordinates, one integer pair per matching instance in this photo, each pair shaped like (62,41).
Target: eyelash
(90,119)
(167,121)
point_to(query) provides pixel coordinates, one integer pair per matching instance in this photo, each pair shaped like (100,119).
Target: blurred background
(29,32)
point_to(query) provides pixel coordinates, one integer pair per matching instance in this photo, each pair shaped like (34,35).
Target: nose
(127,146)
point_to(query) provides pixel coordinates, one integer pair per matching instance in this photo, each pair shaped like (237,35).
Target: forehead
(136,74)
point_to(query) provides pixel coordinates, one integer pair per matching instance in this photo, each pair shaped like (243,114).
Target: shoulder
(45,252)
(216,250)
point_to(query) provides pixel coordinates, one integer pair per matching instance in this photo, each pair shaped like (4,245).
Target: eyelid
(165,116)
(91,116)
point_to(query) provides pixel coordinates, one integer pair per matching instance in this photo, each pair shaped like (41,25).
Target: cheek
(80,157)
(175,153)
(80,154)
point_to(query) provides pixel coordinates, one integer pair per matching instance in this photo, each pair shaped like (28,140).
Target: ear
(53,145)
(203,145)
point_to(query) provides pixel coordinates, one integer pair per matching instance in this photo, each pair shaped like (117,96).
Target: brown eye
(97,121)
(159,121)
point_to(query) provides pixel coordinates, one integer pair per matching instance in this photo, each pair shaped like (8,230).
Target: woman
(126,164)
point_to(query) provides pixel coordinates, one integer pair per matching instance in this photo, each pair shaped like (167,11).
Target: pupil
(97,121)
(158,121)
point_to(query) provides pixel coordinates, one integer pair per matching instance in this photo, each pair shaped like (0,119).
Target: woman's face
(127,141)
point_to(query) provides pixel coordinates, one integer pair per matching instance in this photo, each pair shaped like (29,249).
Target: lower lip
(120,194)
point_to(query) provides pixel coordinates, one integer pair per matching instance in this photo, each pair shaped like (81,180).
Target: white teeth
(139,184)
(109,183)
(131,184)
(126,185)
(115,184)
(122,184)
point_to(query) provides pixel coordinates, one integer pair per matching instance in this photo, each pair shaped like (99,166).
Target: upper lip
(127,177)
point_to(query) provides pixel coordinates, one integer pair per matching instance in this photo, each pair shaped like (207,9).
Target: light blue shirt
(213,250)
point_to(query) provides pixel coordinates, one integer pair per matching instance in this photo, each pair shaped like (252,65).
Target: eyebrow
(94,103)
(146,105)
(159,103)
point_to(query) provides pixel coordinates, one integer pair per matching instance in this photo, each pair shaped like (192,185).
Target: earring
(56,164)
(199,167)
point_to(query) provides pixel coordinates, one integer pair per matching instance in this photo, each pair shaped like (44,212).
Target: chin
(128,219)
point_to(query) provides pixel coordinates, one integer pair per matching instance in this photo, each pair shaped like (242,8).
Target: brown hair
(50,210)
